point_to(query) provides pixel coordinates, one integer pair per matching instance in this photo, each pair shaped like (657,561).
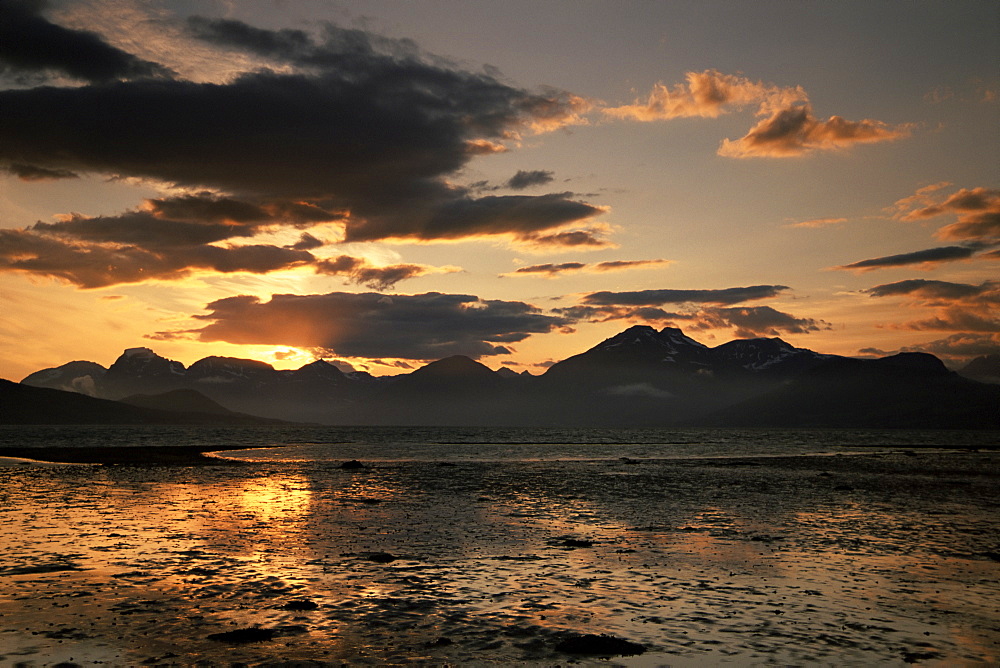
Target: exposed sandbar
(182,455)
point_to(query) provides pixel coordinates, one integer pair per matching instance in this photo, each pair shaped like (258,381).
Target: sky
(383,183)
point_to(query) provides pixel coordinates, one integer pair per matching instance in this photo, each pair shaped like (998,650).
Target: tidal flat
(875,558)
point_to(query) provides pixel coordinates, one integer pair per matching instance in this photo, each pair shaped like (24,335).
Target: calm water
(527,537)
(495,444)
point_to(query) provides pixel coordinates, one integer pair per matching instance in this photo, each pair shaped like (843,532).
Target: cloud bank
(960,307)
(345,127)
(701,310)
(420,327)
(32,45)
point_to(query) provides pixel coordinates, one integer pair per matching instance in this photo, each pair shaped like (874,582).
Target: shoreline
(131,455)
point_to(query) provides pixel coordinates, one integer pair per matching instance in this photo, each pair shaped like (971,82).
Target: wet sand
(888,559)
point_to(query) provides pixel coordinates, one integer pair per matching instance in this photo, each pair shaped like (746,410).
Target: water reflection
(780,563)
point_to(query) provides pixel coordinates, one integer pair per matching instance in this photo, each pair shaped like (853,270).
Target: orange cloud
(818,222)
(788,127)
(706,95)
(959,307)
(977,212)
(795,131)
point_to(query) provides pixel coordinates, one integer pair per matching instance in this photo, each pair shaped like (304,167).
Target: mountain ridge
(638,377)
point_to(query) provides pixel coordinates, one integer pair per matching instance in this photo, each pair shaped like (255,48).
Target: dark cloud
(307,242)
(927,257)
(956,348)
(519,215)
(959,306)
(938,290)
(421,327)
(703,309)
(747,321)
(32,173)
(581,312)
(206,207)
(571,239)
(143,229)
(961,346)
(31,43)
(288,45)
(95,265)
(551,269)
(359,123)
(170,238)
(359,271)
(618,265)
(958,319)
(525,179)
(548,269)
(755,321)
(189,221)
(658,297)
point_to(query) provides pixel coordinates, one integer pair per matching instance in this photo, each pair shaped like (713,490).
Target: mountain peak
(320,369)
(767,353)
(670,338)
(456,365)
(920,362)
(144,362)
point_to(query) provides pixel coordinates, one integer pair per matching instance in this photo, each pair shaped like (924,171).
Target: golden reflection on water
(269,499)
(538,550)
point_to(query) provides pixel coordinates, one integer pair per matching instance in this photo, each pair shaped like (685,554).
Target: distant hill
(909,390)
(190,402)
(985,369)
(23,404)
(639,377)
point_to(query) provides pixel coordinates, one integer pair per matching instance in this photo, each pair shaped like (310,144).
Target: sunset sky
(387,183)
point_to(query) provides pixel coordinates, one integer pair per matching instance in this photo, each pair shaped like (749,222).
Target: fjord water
(479,547)
(325,443)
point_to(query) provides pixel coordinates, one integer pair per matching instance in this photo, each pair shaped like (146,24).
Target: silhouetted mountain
(140,370)
(639,377)
(452,391)
(985,369)
(83,377)
(24,404)
(190,401)
(639,350)
(647,377)
(909,390)
(768,356)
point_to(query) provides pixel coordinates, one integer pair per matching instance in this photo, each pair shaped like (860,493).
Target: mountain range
(640,377)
